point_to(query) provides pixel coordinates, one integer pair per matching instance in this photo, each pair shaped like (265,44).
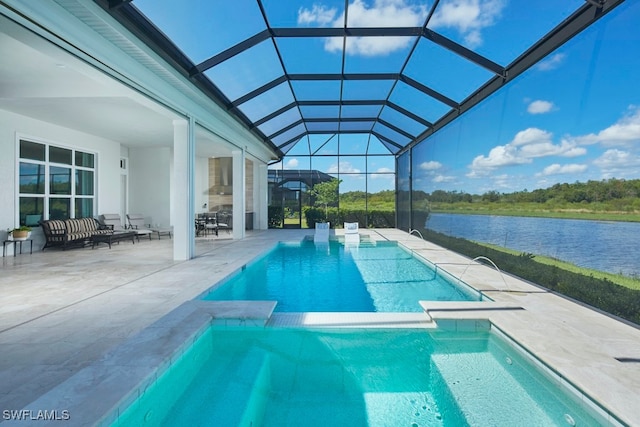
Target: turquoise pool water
(305,277)
(302,377)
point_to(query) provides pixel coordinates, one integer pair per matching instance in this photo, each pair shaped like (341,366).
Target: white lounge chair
(112,221)
(351,232)
(322,232)
(136,223)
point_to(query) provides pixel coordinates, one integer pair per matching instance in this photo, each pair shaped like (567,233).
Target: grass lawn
(628,282)
(296,222)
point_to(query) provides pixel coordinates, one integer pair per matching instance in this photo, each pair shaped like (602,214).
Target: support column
(261,195)
(182,189)
(238,194)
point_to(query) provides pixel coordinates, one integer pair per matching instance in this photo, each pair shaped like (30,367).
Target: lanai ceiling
(390,71)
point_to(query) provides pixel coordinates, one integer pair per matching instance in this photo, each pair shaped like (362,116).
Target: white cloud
(430,166)
(526,145)
(531,136)
(502,155)
(545,149)
(551,63)
(382,13)
(540,107)
(533,143)
(368,46)
(430,169)
(558,169)
(384,170)
(618,163)
(613,157)
(343,167)
(430,172)
(385,13)
(291,164)
(468,17)
(443,178)
(383,173)
(624,133)
(319,14)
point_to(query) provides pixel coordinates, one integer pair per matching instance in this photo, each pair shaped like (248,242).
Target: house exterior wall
(14,126)
(106,52)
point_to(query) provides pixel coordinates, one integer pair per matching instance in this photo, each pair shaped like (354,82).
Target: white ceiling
(40,80)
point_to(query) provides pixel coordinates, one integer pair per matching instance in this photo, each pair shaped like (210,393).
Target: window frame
(73,197)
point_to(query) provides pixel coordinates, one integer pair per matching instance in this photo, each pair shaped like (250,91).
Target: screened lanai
(174,108)
(346,87)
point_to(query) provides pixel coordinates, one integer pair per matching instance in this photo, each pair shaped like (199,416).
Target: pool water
(352,377)
(309,277)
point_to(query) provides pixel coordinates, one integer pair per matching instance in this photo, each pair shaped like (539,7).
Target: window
(54,183)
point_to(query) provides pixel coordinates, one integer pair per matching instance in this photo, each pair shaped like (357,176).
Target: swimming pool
(369,277)
(387,377)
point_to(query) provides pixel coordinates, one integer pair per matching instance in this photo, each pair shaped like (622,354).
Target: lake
(601,245)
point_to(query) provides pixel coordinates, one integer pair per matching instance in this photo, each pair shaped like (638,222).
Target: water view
(601,245)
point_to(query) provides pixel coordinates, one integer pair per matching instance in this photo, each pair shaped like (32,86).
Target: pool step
(484,392)
(243,401)
(238,313)
(401,409)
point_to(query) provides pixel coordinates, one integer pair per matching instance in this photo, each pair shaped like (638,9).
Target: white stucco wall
(14,126)
(149,184)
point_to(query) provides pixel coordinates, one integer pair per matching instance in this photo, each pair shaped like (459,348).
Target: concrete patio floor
(61,311)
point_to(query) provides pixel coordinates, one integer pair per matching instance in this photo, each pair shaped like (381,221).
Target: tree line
(579,192)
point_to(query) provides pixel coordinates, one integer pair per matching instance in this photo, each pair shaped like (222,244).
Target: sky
(575,116)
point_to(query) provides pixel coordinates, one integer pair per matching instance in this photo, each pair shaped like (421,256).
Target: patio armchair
(211,223)
(224,220)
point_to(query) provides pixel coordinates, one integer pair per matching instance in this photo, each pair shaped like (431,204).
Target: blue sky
(573,117)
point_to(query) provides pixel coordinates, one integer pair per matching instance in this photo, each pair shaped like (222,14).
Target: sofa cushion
(103,231)
(81,225)
(55,226)
(81,235)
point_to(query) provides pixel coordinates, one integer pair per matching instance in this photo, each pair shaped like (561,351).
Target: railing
(492,263)
(412,230)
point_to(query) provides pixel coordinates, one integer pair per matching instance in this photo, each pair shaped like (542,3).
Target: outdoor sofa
(71,232)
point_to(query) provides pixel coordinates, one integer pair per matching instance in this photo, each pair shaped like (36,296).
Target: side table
(15,242)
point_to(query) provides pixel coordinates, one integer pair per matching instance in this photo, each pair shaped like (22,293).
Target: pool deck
(67,316)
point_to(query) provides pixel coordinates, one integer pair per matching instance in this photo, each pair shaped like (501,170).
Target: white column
(238,194)
(182,187)
(260,191)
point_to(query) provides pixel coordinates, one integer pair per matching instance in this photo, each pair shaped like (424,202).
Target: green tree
(491,196)
(326,193)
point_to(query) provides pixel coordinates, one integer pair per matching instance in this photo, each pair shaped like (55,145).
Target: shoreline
(591,216)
